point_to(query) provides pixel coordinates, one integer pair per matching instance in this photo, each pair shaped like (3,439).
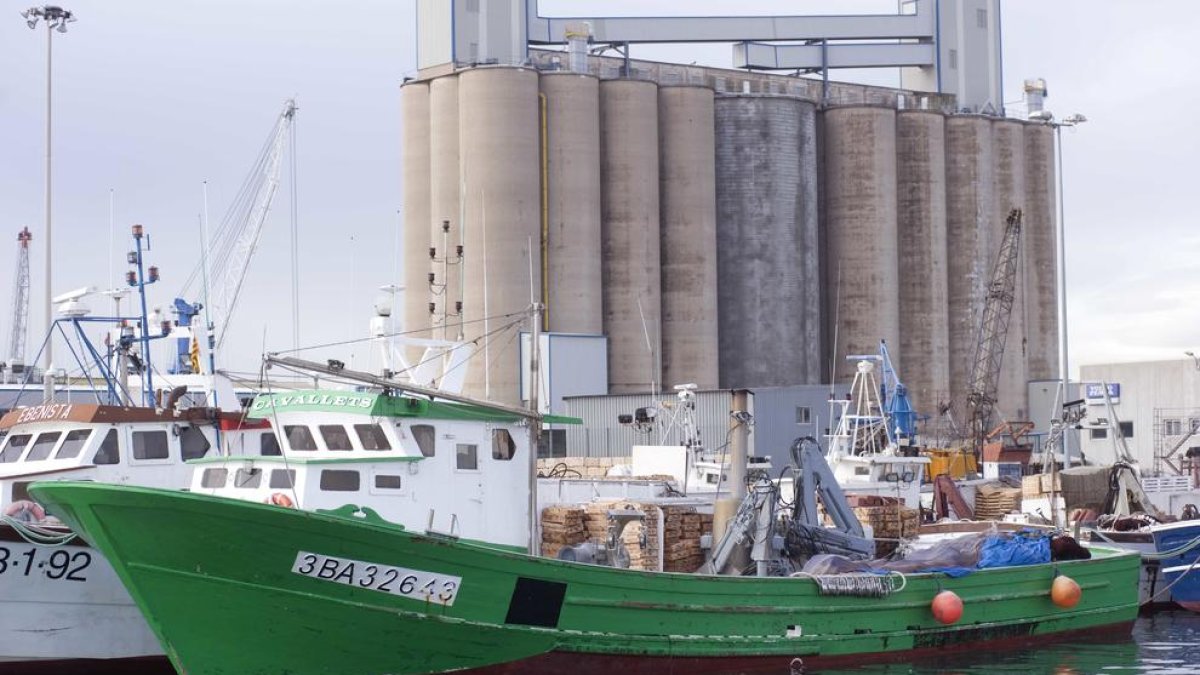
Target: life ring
(280,499)
(26,511)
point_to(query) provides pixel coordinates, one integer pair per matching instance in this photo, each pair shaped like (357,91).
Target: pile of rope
(859,585)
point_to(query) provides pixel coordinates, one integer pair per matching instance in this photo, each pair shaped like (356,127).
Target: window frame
(332,472)
(376,435)
(497,451)
(287,435)
(117,443)
(58,436)
(8,445)
(133,458)
(322,428)
(458,457)
(58,454)
(417,431)
(191,431)
(212,471)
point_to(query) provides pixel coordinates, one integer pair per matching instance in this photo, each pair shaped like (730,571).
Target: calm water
(1167,643)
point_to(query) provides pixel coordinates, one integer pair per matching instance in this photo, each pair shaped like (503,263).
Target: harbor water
(1165,643)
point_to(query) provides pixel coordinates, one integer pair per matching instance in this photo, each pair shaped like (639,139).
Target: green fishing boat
(239,587)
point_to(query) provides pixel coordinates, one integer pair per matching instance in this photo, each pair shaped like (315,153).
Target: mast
(535,420)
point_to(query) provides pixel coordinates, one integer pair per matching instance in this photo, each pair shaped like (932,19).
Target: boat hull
(228,587)
(64,603)
(1181,571)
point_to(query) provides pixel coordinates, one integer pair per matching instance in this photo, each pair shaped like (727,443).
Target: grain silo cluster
(727,228)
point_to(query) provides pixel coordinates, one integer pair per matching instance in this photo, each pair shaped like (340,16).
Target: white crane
(20,306)
(234,242)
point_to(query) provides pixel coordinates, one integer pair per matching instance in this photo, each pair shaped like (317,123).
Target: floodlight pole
(55,18)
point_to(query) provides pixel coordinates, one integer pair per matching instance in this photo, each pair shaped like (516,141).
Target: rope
(1163,555)
(1172,584)
(36,535)
(860,585)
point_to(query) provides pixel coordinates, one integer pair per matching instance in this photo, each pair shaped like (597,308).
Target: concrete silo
(630,233)
(498,122)
(1041,267)
(1008,152)
(970,211)
(921,227)
(767,246)
(573,278)
(445,208)
(689,236)
(414,111)
(860,189)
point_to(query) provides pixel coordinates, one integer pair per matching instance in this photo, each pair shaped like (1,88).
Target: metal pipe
(48,362)
(545,213)
(739,444)
(535,425)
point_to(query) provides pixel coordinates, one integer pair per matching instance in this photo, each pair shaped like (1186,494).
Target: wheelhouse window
(43,445)
(247,478)
(269,445)
(388,481)
(336,437)
(73,443)
(14,446)
(193,444)
(283,478)
(372,437)
(339,480)
(467,457)
(425,436)
(150,445)
(214,478)
(503,445)
(299,437)
(109,452)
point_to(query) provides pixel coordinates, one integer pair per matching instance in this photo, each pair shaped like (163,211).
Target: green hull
(215,579)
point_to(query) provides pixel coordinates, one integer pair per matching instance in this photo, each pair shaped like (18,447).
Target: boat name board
(414,584)
(50,411)
(265,404)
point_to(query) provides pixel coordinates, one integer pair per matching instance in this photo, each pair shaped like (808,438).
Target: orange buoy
(280,499)
(947,607)
(1065,592)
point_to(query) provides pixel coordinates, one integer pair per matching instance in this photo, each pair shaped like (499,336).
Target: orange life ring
(280,499)
(26,511)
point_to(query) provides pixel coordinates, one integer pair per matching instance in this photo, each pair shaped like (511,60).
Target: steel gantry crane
(20,306)
(993,330)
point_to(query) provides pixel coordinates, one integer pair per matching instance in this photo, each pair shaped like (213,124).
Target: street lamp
(56,19)
(1064,370)
(1195,359)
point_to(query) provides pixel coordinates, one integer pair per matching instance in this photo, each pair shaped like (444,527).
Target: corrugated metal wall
(602,436)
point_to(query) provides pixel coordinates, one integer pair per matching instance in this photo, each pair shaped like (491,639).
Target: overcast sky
(152,98)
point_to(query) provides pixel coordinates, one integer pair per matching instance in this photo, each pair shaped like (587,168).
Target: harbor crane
(993,331)
(234,243)
(20,306)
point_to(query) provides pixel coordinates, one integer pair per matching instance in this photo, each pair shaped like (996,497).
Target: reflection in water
(1167,643)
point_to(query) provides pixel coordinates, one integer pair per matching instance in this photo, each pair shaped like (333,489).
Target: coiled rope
(861,585)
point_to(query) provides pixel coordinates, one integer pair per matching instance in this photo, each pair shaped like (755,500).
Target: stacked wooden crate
(889,523)
(641,537)
(993,501)
(1040,485)
(562,526)
(681,543)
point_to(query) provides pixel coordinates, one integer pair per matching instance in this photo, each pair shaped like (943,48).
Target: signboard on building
(1093,393)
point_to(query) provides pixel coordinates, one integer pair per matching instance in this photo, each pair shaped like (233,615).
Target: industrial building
(728,228)
(1157,412)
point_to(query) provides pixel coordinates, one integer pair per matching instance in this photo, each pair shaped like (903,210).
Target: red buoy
(947,607)
(1064,592)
